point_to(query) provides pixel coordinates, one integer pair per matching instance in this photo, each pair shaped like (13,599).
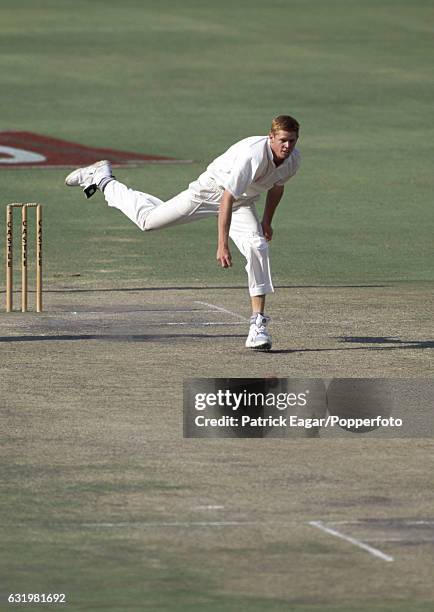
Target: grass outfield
(187,81)
(103,500)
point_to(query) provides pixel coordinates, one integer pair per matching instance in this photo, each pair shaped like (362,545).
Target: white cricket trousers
(200,201)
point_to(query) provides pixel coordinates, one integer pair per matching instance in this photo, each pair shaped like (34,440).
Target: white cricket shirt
(247,168)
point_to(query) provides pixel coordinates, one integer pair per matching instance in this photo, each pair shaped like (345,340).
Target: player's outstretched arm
(224,256)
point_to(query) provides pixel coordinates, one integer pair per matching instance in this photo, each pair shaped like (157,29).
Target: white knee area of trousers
(134,204)
(256,251)
(151,213)
(182,208)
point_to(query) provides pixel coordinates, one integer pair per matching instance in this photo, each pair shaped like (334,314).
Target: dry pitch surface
(101,483)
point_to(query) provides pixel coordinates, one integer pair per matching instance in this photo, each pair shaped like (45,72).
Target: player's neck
(277,162)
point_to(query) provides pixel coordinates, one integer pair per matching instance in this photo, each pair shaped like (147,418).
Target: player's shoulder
(255,142)
(251,142)
(252,146)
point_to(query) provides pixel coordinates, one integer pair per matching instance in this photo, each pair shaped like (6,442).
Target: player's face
(282,144)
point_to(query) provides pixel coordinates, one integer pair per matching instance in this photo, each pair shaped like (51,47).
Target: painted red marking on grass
(29,150)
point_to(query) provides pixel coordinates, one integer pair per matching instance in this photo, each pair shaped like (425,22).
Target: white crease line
(208,508)
(130,312)
(196,323)
(220,309)
(355,522)
(171,524)
(370,549)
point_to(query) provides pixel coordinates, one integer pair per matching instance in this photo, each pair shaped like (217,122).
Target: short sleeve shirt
(247,168)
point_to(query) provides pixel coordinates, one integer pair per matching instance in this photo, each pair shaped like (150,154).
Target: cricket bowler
(228,189)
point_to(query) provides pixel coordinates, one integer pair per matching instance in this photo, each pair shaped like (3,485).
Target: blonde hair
(285,123)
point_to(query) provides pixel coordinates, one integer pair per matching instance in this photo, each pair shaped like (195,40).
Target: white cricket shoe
(258,337)
(89,178)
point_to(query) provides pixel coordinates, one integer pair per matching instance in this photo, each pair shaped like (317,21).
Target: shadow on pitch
(396,343)
(116,337)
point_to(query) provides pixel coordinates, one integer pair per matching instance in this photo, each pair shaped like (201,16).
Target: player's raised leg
(145,210)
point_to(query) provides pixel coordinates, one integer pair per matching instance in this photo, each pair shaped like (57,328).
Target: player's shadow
(391,344)
(387,340)
(116,337)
